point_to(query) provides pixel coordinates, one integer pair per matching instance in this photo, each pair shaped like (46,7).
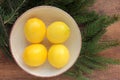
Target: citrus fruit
(58,55)
(35,30)
(58,32)
(35,55)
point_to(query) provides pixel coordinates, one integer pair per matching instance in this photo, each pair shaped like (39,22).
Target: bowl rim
(12,32)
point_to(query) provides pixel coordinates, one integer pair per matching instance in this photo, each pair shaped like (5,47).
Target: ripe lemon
(58,56)
(35,55)
(35,30)
(58,32)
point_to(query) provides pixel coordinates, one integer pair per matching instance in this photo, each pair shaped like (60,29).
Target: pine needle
(14,12)
(4,39)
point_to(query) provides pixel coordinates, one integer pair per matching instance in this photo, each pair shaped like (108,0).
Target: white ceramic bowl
(48,14)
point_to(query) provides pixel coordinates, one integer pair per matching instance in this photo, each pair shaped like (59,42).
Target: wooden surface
(9,70)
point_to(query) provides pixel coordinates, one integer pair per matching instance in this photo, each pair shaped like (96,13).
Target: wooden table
(9,70)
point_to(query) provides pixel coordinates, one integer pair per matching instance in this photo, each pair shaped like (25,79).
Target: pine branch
(10,5)
(103,60)
(83,68)
(59,2)
(4,39)
(90,64)
(93,43)
(70,73)
(85,18)
(9,17)
(96,26)
(81,77)
(105,45)
(79,6)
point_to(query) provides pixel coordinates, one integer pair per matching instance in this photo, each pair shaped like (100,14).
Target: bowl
(48,14)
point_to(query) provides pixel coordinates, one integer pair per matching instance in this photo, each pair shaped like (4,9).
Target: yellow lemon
(35,30)
(58,55)
(58,32)
(35,55)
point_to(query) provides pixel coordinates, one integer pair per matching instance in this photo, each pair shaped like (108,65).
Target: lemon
(35,55)
(58,32)
(58,55)
(35,30)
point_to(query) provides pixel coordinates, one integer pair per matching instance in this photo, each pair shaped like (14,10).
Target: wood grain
(9,70)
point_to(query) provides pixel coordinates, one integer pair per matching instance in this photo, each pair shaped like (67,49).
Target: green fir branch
(93,43)
(79,6)
(59,2)
(90,64)
(83,68)
(93,28)
(14,12)
(81,77)
(85,18)
(105,45)
(4,39)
